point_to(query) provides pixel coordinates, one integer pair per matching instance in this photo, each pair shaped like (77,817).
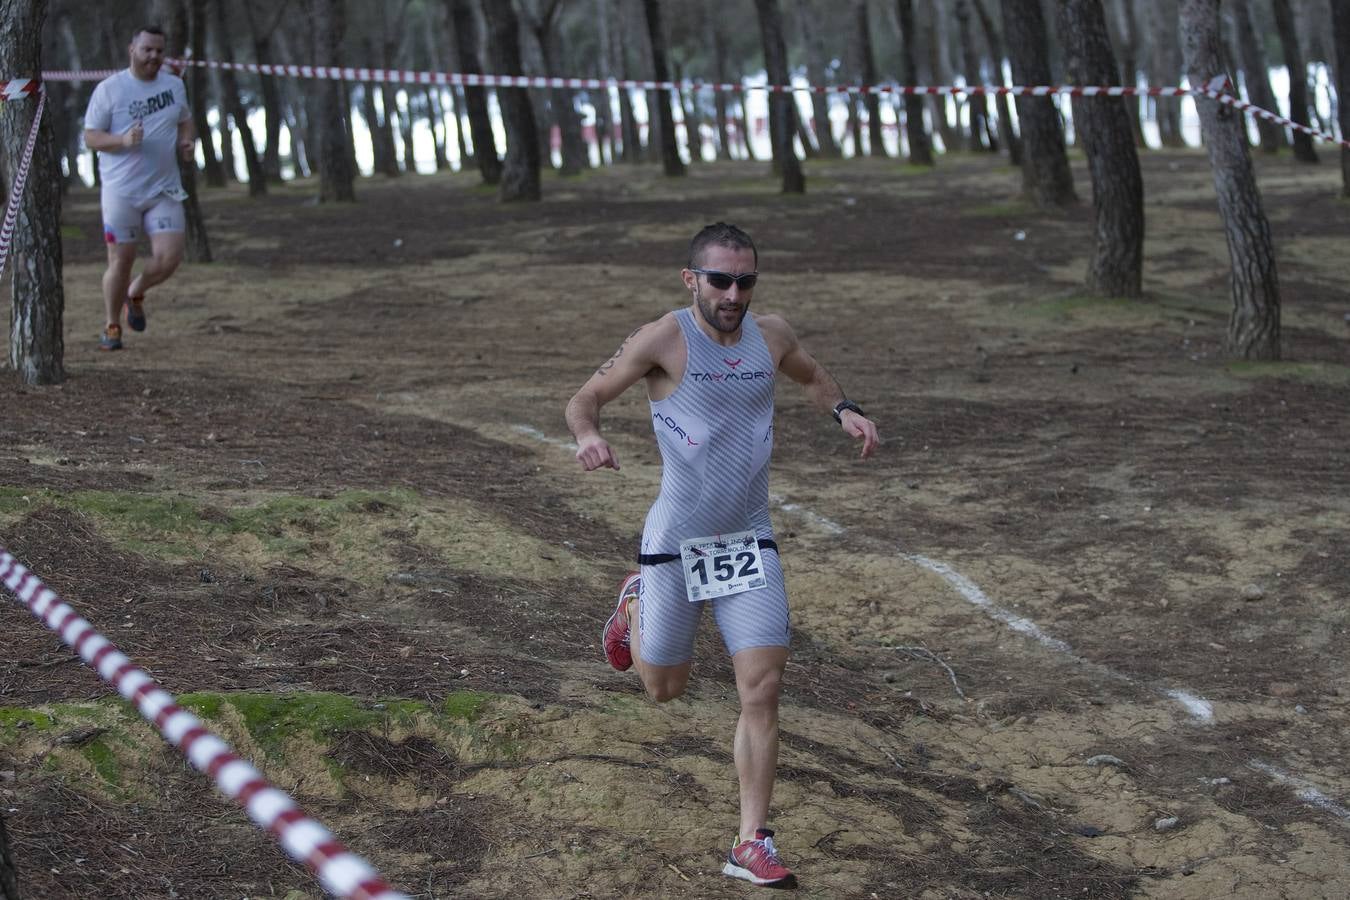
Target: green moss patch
(14,719)
(1310,372)
(464,705)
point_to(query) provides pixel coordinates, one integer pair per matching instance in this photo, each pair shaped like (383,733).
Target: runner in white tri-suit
(139,122)
(710,371)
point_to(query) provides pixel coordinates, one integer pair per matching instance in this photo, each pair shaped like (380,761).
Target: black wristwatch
(843,405)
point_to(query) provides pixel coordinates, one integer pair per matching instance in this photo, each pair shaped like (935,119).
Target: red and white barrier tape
(17,88)
(400,76)
(20,179)
(341,872)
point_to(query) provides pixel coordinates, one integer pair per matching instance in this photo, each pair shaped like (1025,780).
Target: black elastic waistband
(655,559)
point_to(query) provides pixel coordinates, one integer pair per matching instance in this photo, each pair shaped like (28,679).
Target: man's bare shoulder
(777,332)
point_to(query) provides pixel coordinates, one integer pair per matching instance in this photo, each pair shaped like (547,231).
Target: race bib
(721,565)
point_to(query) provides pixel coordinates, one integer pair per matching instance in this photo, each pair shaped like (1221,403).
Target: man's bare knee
(665,691)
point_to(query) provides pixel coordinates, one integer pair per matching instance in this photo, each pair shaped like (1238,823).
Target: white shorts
(124,222)
(668,620)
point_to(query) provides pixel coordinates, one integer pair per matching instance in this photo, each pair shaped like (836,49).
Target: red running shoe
(757,861)
(615,637)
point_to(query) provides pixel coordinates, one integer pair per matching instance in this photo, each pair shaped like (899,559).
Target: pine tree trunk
(224,131)
(271,95)
(867,66)
(1254,326)
(173,15)
(670,150)
(981,135)
(1128,41)
(1256,74)
(920,146)
(1045,167)
(197,96)
(257,181)
(780,118)
(36,347)
(813,41)
(475,96)
(436,122)
(1103,124)
(995,42)
(1340,23)
(1298,80)
(747,126)
(1165,69)
(573,152)
(520,172)
(720,98)
(940,73)
(337,173)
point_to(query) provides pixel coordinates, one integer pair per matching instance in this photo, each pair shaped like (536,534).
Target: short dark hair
(720,234)
(146,29)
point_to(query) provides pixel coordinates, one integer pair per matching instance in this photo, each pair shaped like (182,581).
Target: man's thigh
(123,221)
(757,618)
(667,621)
(165,217)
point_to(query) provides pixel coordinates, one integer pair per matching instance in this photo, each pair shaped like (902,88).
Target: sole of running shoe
(136,314)
(621,605)
(736,871)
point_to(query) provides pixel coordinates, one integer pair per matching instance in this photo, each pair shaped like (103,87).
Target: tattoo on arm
(613,360)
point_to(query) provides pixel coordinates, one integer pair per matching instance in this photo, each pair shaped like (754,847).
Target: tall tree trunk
(780,120)
(224,130)
(717,41)
(920,147)
(475,96)
(608,12)
(1045,167)
(605,135)
(1340,24)
(405,128)
(431,96)
(380,151)
(1254,326)
(337,174)
(173,15)
(670,150)
(981,134)
(36,347)
(572,153)
(1103,125)
(196,84)
(939,72)
(1298,80)
(747,125)
(257,181)
(813,40)
(520,173)
(1165,69)
(867,64)
(388,106)
(1256,74)
(1127,38)
(995,42)
(271,94)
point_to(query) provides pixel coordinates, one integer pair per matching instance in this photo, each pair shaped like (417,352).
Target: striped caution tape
(341,872)
(402,76)
(18,88)
(20,179)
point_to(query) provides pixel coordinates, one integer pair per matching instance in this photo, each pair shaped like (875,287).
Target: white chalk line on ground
(1200,709)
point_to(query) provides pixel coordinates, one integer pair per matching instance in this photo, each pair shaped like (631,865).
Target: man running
(139,122)
(710,370)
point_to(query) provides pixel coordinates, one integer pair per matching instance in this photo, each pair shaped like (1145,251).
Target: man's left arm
(819,384)
(187,130)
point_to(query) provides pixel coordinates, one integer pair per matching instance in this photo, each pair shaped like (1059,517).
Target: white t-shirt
(139,174)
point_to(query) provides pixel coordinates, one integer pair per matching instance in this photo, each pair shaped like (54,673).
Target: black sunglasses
(723,280)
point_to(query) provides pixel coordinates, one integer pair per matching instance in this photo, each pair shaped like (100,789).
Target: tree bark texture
(813,41)
(1340,24)
(995,42)
(197,82)
(920,145)
(1103,125)
(1298,80)
(575,157)
(939,72)
(1165,69)
(520,171)
(1046,179)
(36,345)
(257,181)
(475,96)
(656,33)
(337,174)
(173,16)
(981,133)
(271,94)
(1128,41)
(780,121)
(867,75)
(1255,73)
(1254,326)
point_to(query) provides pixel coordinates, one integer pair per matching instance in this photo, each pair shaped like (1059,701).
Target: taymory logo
(675,428)
(729,376)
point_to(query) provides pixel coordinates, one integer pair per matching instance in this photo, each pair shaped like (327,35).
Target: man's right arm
(635,357)
(107,142)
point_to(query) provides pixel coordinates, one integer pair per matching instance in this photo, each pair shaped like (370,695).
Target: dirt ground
(1078,630)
